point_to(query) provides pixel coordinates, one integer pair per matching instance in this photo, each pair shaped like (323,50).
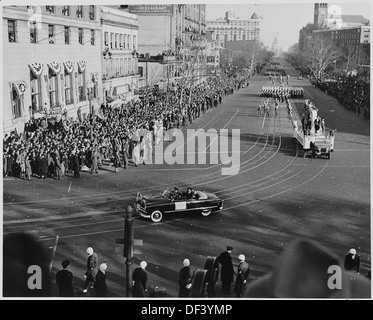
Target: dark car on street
(154,207)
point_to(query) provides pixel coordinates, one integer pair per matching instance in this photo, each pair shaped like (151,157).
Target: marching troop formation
(282,92)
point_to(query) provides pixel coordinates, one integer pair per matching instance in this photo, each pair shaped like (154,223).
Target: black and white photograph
(186,152)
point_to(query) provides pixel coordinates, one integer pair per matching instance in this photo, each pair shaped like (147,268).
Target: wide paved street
(277,196)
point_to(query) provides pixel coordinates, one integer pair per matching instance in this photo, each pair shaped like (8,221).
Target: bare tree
(192,69)
(320,54)
(250,55)
(350,55)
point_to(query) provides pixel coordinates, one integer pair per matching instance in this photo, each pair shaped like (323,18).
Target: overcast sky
(286,19)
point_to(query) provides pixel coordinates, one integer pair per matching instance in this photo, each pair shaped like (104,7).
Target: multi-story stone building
(331,17)
(119,54)
(168,36)
(305,35)
(355,40)
(233,28)
(52,62)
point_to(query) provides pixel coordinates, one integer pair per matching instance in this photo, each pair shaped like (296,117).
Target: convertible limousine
(154,207)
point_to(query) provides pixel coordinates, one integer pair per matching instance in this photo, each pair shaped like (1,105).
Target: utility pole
(128,247)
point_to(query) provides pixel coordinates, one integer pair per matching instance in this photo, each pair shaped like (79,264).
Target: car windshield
(167,193)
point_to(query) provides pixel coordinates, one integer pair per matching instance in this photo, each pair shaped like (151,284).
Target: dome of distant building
(254,16)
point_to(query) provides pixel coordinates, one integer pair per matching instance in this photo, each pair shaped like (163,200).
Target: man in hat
(100,283)
(352,261)
(227,270)
(90,275)
(64,280)
(139,280)
(243,273)
(186,276)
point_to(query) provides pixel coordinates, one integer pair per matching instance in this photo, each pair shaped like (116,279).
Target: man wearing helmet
(186,275)
(90,275)
(243,273)
(352,261)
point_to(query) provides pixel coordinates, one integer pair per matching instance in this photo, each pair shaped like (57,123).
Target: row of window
(81,11)
(34,36)
(119,41)
(225,25)
(54,85)
(236,37)
(237,31)
(119,67)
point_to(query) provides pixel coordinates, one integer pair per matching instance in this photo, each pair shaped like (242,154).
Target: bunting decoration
(69,67)
(81,65)
(55,67)
(36,68)
(19,89)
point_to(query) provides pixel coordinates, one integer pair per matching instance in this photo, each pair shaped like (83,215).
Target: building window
(81,86)
(134,42)
(66,10)
(49,9)
(52,88)
(79,12)
(51,33)
(80,35)
(111,40)
(116,41)
(106,39)
(35,93)
(33,35)
(67,35)
(17,103)
(120,42)
(68,89)
(92,12)
(93,37)
(124,41)
(12,31)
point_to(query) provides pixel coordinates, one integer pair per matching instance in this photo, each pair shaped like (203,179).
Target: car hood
(155,200)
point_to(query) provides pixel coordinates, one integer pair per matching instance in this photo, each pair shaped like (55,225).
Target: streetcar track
(106,221)
(74,204)
(112,193)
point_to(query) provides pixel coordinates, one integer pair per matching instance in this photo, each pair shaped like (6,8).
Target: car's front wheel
(206,212)
(156,216)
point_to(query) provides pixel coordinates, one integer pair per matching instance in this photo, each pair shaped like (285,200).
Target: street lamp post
(128,236)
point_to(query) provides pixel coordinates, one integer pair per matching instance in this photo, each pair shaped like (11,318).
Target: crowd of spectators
(351,92)
(56,146)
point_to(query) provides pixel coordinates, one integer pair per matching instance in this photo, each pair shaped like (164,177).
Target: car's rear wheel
(206,212)
(156,216)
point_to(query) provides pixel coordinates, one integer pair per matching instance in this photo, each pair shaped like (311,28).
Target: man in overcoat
(227,271)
